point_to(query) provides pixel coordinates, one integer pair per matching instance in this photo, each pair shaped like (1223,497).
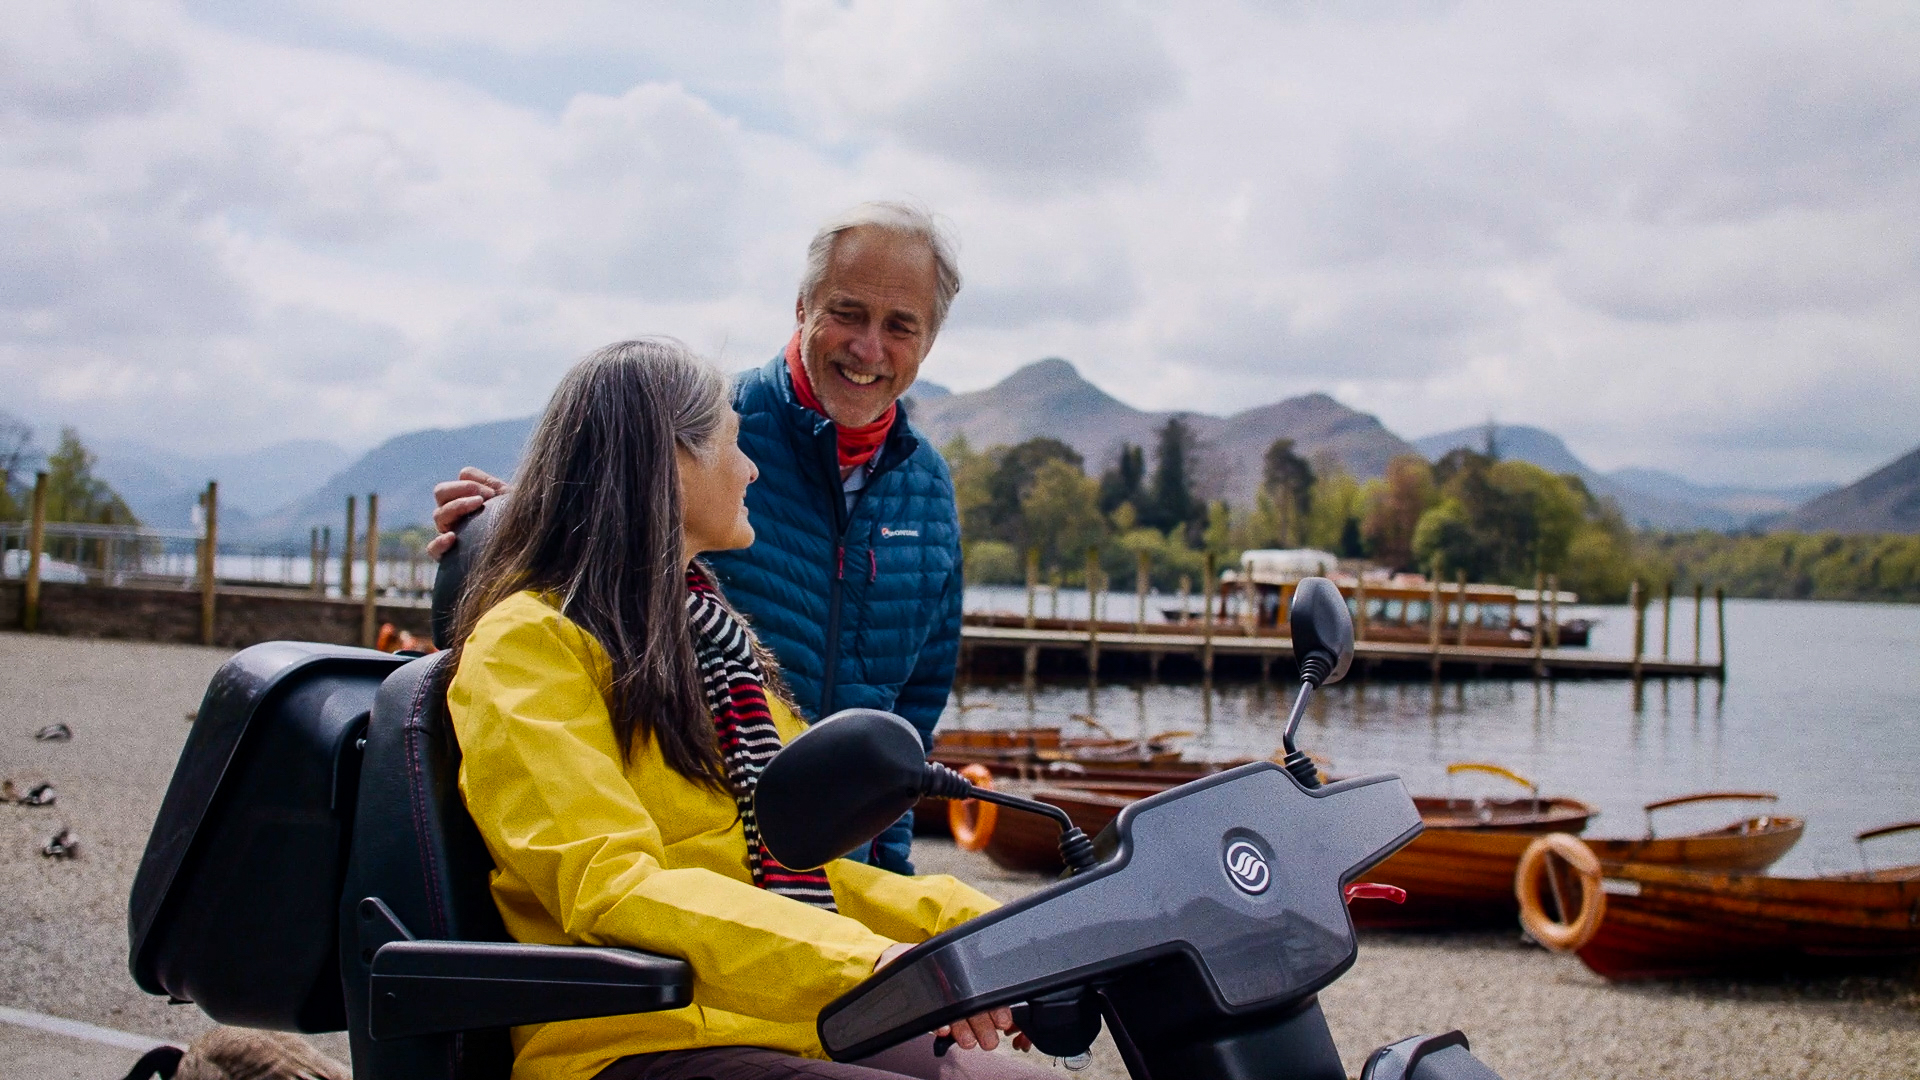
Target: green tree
(16,439)
(994,562)
(1170,502)
(1015,471)
(1126,481)
(1288,478)
(1061,514)
(972,473)
(1394,509)
(74,493)
(1334,511)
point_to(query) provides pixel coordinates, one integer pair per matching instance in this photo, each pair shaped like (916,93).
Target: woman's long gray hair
(595,522)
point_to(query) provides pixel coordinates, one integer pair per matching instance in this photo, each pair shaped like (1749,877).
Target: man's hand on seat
(457,500)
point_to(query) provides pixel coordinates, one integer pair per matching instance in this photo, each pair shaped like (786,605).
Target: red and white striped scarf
(737,696)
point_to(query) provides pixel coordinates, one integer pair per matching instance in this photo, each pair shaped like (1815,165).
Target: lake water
(1821,705)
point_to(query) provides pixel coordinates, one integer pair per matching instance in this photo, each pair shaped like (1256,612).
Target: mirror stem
(1297,763)
(1075,849)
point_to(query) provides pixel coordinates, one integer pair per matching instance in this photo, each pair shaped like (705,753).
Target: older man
(854,580)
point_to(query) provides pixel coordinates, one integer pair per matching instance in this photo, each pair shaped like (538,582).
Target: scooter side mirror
(838,785)
(1322,629)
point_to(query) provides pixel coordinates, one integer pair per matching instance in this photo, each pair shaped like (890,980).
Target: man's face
(868,325)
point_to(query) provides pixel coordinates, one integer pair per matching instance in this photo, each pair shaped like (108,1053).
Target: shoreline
(1531,1015)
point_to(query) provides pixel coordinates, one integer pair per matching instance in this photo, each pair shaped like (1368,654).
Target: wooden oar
(1705,796)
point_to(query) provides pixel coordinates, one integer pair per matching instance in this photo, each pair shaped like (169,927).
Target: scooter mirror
(838,785)
(1322,630)
(451,576)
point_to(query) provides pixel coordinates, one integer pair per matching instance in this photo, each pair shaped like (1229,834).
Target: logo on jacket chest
(888,532)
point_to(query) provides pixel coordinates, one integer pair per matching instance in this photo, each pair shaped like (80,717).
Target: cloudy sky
(1682,236)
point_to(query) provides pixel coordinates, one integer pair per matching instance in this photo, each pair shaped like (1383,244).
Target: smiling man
(854,578)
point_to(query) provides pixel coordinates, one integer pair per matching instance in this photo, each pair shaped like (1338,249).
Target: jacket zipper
(843,524)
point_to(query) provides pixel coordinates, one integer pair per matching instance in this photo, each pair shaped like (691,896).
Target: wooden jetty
(1118,650)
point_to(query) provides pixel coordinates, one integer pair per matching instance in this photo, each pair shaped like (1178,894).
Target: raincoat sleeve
(545,784)
(904,908)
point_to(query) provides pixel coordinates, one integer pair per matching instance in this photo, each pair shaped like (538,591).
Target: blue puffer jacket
(861,607)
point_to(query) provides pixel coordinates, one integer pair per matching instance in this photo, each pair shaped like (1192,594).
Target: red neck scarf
(857,444)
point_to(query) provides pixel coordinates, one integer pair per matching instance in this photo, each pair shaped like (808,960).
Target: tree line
(1472,512)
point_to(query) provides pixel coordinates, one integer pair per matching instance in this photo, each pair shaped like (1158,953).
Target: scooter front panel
(1243,871)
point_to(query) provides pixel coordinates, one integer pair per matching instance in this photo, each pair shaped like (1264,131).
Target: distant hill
(1886,500)
(403,471)
(162,487)
(1050,398)
(1647,497)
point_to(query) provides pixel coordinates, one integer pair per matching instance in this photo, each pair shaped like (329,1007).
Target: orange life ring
(970,819)
(1565,934)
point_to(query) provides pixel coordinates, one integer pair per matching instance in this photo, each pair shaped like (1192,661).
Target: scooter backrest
(234,904)
(451,577)
(416,849)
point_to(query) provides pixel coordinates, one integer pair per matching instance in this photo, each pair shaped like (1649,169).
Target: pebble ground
(1530,1014)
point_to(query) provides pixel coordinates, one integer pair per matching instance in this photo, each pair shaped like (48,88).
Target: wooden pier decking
(1005,650)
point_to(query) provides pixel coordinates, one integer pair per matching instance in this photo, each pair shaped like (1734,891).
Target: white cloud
(1681,237)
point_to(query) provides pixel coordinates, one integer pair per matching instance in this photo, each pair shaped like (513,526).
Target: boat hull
(1666,921)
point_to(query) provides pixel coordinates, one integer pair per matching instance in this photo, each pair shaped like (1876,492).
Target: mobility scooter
(313,869)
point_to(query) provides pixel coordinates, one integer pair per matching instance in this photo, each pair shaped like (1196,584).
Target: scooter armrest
(437,987)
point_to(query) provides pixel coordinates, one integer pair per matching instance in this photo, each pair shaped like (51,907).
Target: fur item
(241,1054)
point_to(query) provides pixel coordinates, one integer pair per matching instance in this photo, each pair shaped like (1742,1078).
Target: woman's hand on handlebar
(981,1030)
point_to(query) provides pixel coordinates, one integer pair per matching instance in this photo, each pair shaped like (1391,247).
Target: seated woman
(614,714)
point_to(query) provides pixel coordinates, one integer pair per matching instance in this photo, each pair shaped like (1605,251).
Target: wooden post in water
(1720,624)
(1250,616)
(1206,625)
(1539,615)
(346,555)
(209,573)
(315,570)
(369,628)
(1553,611)
(1360,606)
(1460,588)
(36,539)
(1031,659)
(1093,612)
(1666,622)
(1638,602)
(1433,616)
(1699,616)
(1140,589)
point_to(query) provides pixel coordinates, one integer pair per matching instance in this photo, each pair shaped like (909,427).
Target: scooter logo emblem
(1248,868)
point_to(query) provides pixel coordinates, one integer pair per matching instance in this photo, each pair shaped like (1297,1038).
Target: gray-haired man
(854,581)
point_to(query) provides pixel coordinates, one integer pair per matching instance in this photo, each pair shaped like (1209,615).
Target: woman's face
(713,492)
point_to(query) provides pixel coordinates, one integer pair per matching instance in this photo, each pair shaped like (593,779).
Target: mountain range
(277,493)
(1649,498)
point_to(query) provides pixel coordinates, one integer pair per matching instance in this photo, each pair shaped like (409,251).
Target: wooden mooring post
(1460,594)
(1666,622)
(36,540)
(1140,569)
(1637,600)
(1699,617)
(1720,624)
(1207,590)
(1539,618)
(1553,611)
(316,568)
(346,555)
(1359,608)
(1433,617)
(1094,588)
(210,554)
(369,629)
(1031,659)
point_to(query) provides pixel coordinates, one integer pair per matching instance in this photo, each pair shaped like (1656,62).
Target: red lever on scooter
(1369,890)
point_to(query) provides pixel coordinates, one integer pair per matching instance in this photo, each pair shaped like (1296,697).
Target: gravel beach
(1530,1014)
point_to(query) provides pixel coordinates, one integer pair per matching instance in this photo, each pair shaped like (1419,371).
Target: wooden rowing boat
(1459,872)
(1633,920)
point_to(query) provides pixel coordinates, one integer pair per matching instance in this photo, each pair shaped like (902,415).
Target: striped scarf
(737,696)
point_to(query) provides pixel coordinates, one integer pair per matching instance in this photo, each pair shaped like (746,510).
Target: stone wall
(241,616)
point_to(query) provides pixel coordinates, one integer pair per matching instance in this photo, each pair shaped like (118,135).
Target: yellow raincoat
(590,850)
